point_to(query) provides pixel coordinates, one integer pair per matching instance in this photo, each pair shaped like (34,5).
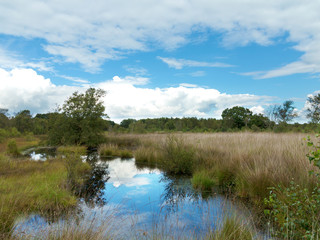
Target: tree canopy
(236,117)
(313,110)
(284,113)
(79,120)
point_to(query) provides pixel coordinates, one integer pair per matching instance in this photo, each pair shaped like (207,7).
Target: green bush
(12,149)
(177,156)
(295,211)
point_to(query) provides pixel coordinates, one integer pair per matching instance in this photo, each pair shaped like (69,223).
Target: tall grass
(245,163)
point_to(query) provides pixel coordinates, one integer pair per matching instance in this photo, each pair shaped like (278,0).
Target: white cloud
(127,174)
(9,60)
(126,97)
(257,110)
(181,63)
(26,89)
(87,33)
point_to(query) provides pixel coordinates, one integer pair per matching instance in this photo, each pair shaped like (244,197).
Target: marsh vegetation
(267,166)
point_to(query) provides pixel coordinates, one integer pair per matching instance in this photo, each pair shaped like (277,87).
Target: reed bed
(247,162)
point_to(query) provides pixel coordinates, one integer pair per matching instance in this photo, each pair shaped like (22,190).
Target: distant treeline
(81,120)
(24,123)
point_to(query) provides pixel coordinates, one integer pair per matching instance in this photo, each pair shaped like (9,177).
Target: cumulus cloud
(26,89)
(79,31)
(126,97)
(181,63)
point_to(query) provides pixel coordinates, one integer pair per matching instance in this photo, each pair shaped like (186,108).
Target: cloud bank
(89,34)
(126,97)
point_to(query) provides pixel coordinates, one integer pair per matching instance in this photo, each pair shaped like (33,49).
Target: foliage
(178,158)
(295,211)
(12,149)
(314,108)
(76,168)
(236,117)
(285,112)
(23,121)
(80,121)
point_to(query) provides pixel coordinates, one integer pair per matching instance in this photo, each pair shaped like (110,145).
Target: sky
(183,58)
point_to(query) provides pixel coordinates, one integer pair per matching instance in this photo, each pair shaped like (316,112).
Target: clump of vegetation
(295,210)
(148,155)
(12,149)
(233,229)
(112,150)
(178,158)
(77,170)
(203,181)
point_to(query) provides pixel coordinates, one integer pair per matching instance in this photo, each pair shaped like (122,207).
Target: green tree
(126,122)
(284,113)
(236,117)
(80,120)
(259,121)
(23,121)
(313,110)
(4,120)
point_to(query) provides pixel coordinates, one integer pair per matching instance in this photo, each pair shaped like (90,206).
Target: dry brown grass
(254,161)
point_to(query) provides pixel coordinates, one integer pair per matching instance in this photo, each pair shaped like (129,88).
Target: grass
(112,150)
(29,186)
(244,163)
(203,181)
(37,187)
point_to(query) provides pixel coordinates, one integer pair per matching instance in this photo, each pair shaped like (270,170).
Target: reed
(246,163)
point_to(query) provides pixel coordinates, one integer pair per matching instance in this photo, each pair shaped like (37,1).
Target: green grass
(203,181)
(29,186)
(233,229)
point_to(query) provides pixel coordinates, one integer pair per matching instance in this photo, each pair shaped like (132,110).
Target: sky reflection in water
(143,199)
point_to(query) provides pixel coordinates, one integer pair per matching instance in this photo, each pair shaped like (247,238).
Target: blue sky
(160,58)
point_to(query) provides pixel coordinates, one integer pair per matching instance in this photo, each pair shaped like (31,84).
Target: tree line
(82,120)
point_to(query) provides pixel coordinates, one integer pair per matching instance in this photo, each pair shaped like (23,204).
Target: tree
(314,108)
(23,121)
(259,121)
(236,117)
(80,120)
(284,113)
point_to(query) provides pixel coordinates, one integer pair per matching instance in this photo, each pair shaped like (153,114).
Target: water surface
(140,200)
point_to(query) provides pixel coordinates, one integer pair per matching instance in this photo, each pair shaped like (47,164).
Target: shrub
(12,149)
(177,156)
(295,211)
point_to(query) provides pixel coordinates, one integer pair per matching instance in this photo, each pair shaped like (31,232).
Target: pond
(129,199)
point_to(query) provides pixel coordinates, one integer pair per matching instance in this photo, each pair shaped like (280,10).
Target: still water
(128,200)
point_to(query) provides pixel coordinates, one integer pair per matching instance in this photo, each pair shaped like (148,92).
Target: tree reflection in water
(92,191)
(178,189)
